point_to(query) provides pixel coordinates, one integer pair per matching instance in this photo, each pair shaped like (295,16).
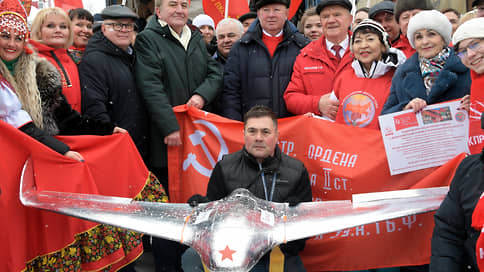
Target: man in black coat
(263,169)
(259,66)
(108,85)
(454,239)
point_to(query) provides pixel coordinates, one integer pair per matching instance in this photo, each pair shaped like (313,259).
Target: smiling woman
(51,36)
(81,23)
(434,73)
(363,90)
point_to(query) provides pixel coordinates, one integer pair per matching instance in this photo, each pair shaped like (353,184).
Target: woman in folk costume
(363,90)
(37,84)
(434,73)
(51,36)
(457,241)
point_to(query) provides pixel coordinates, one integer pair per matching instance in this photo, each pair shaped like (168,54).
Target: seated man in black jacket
(268,173)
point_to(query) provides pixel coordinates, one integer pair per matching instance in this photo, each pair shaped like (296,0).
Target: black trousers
(166,253)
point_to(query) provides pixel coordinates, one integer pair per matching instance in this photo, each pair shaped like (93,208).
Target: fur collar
(38,86)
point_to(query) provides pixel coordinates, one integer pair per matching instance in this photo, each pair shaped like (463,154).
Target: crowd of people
(72,74)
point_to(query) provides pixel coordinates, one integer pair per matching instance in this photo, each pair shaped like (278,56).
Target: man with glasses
(259,65)
(172,68)
(108,85)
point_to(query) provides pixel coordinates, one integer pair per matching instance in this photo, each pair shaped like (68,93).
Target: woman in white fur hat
(434,73)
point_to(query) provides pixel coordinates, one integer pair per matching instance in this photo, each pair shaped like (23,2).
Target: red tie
(337,48)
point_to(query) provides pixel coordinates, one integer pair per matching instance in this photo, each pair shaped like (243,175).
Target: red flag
(338,166)
(68,4)
(216,9)
(112,167)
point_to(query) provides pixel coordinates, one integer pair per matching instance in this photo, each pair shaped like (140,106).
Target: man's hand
(196,101)
(119,130)
(173,139)
(416,104)
(328,106)
(74,155)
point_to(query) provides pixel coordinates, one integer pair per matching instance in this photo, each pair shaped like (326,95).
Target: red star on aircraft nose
(227,253)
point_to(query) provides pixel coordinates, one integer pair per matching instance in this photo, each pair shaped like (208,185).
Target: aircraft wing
(315,218)
(158,219)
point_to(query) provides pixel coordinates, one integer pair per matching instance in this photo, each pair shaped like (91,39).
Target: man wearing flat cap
(259,65)
(319,63)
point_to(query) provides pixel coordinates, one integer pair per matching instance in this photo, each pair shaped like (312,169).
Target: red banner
(112,167)
(68,4)
(237,8)
(476,134)
(216,9)
(341,161)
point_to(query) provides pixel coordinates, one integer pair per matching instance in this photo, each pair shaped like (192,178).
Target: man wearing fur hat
(109,90)
(259,66)
(172,68)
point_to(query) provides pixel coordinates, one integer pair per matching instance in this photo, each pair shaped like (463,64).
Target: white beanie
(429,19)
(203,19)
(474,28)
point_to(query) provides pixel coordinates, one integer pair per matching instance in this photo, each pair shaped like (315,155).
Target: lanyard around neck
(265,185)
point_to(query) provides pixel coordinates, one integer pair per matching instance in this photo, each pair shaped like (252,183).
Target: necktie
(337,48)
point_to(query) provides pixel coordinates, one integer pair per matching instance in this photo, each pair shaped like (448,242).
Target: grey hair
(227,21)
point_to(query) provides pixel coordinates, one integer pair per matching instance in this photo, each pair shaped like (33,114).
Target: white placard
(426,139)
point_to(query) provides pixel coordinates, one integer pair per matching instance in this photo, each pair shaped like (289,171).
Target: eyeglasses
(474,46)
(119,26)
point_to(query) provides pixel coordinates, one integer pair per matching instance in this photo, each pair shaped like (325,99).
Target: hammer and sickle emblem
(197,139)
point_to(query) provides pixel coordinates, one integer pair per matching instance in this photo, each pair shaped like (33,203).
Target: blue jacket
(453,82)
(252,77)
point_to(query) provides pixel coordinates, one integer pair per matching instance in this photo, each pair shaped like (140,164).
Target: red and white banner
(341,161)
(216,9)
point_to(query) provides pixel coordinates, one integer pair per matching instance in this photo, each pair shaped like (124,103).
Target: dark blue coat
(454,82)
(252,77)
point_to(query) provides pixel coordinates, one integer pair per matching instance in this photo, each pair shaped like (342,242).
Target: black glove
(194,200)
(293,201)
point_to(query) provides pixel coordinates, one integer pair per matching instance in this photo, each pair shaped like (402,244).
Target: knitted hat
(260,3)
(429,19)
(385,6)
(324,3)
(203,19)
(118,12)
(404,5)
(474,28)
(13,18)
(369,23)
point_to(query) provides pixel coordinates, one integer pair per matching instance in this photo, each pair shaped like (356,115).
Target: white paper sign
(429,138)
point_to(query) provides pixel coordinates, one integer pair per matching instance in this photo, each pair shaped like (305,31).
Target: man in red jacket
(320,61)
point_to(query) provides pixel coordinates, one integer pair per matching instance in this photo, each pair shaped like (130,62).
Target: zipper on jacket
(66,77)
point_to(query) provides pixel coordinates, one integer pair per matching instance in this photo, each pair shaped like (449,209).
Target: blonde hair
(467,16)
(40,19)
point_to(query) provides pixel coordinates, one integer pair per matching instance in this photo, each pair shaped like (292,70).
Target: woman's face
(207,33)
(55,31)
(367,48)
(313,28)
(11,46)
(82,30)
(428,43)
(471,53)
